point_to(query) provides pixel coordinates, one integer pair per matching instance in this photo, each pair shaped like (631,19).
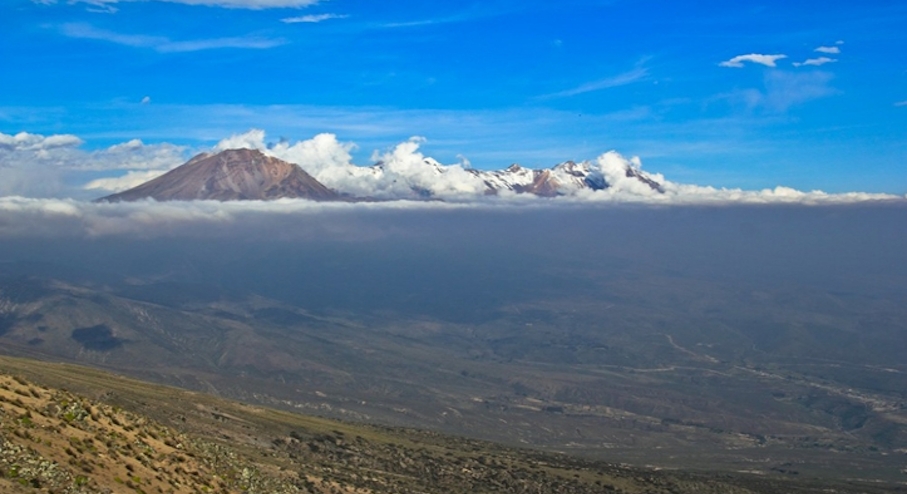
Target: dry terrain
(69,429)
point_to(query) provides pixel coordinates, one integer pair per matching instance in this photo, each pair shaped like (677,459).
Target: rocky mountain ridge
(564,178)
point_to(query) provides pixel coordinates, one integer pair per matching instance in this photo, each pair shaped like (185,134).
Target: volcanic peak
(235,174)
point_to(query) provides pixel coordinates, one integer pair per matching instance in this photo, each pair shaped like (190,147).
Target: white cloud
(25,141)
(39,166)
(253,139)
(901,103)
(815,62)
(146,100)
(163,44)
(767,60)
(405,166)
(312,19)
(28,163)
(229,4)
(322,155)
(635,75)
(831,50)
(131,155)
(125,182)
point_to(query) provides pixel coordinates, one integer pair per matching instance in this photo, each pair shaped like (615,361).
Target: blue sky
(811,95)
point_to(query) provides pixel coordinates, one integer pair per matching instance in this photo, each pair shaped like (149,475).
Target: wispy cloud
(767,60)
(901,103)
(476,11)
(831,50)
(427,22)
(312,19)
(166,45)
(784,89)
(629,77)
(815,62)
(108,5)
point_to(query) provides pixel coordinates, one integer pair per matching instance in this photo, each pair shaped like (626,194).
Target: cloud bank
(22,217)
(38,166)
(286,219)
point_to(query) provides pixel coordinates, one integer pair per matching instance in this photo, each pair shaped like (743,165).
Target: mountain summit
(235,174)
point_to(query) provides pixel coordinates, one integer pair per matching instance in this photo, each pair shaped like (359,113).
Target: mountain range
(563,178)
(247,174)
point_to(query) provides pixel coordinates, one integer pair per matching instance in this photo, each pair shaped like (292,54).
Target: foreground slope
(238,174)
(111,434)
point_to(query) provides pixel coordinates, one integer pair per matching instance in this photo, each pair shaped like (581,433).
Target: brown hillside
(136,437)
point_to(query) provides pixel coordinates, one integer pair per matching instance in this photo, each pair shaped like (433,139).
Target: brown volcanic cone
(232,175)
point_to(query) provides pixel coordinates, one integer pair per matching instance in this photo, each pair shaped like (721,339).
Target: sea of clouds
(47,182)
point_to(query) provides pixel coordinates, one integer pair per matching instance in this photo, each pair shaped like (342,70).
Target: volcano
(231,175)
